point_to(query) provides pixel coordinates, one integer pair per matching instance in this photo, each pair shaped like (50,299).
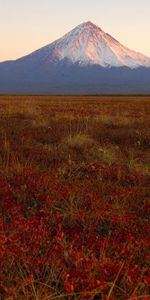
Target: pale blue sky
(26,25)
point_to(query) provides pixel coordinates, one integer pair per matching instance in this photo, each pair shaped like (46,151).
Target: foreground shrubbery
(89,240)
(74,191)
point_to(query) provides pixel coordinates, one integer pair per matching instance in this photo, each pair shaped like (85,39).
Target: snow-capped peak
(89,44)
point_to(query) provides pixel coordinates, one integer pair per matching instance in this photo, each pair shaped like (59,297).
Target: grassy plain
(74,192)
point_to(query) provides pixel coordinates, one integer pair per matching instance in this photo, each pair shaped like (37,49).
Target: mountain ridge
(89,44)
(84,60)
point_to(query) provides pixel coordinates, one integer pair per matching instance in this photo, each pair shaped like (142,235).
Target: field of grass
(74,198)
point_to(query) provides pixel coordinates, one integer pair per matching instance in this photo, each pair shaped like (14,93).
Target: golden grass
(79,141)
(47,131)
(64,137)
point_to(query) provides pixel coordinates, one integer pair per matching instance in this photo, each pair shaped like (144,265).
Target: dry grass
(79,141)
(90,157)
(46,131)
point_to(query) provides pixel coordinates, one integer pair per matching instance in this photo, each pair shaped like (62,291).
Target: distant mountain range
(84,61)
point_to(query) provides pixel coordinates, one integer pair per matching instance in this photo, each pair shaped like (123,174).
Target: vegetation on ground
(74,197)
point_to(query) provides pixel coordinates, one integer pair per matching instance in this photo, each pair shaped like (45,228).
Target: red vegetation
(75,239)
(74,198)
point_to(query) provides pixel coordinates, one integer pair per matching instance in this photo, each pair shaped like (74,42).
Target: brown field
(74,184)
(38,132)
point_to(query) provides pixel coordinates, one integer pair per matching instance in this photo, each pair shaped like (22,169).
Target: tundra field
(74,197)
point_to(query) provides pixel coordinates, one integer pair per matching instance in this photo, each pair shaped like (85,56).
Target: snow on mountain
(87,44)
(84,61)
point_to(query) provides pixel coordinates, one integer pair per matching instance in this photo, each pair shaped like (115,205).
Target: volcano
(85,60)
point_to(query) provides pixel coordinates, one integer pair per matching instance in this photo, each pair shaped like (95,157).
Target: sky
(27,25)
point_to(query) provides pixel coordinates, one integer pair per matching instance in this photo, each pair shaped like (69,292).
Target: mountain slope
(85,60)
(88,44)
